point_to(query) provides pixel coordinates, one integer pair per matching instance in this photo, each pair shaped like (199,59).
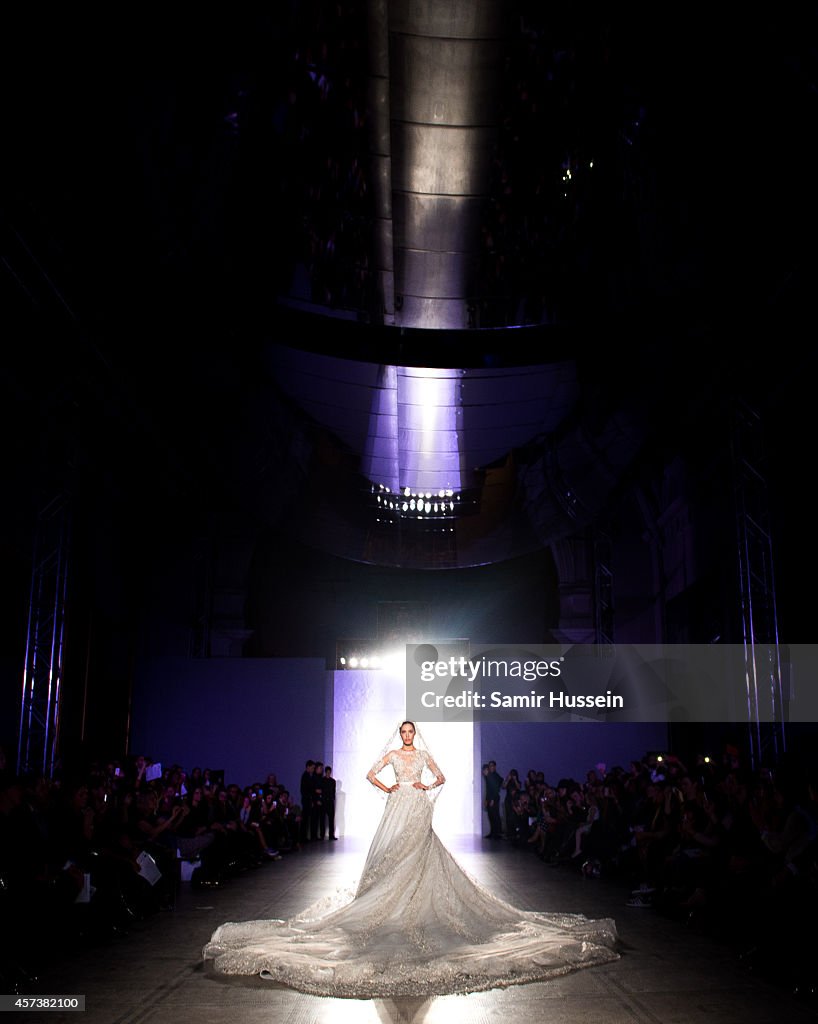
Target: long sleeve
(376,767)
(440,777)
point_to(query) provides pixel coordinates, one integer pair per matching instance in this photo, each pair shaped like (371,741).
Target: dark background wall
(247,717)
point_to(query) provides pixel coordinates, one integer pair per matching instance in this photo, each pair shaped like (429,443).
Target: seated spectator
(591,817)
(288,819)
(251,817)
(567,819)
(691,868)
(655,838)
(511,784)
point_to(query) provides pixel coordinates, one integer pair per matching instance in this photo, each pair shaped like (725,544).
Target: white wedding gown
(417,924)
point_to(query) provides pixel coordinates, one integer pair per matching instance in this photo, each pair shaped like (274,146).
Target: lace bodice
(408,767)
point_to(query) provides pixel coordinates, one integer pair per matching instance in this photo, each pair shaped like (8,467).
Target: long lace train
(417,924)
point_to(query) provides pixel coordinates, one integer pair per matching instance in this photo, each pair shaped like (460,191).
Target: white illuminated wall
(368,706)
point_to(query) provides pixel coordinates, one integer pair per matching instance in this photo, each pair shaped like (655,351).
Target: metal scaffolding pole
(603,589)
(42,673)
(766,711)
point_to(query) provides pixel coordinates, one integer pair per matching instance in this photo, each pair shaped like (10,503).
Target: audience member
(494,783)
(317,812)
(306,787)
(329,791)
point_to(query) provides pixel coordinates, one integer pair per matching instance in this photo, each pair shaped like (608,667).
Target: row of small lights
(366,661)
(370,660)
(422,502)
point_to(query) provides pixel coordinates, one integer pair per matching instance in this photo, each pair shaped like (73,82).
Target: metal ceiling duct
(434,93)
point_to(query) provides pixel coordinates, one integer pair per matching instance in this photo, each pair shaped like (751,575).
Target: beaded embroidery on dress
(417,924)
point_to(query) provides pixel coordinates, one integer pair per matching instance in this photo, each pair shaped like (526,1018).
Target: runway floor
(668,972)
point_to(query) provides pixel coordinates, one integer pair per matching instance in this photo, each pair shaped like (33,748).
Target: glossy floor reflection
(667,973)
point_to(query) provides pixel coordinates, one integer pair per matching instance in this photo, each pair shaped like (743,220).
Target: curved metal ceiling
(430,467)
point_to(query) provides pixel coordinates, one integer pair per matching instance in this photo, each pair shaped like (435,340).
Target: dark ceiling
(168,182)
(175,173)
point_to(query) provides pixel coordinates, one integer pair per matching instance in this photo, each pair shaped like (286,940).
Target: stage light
(367,657)
(444,503)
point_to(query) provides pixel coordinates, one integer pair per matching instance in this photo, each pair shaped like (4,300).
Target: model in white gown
(417,923)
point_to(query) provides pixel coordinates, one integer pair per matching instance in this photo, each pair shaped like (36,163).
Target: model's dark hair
(407,722)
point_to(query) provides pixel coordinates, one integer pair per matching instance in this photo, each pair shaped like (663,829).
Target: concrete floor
(667,972)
